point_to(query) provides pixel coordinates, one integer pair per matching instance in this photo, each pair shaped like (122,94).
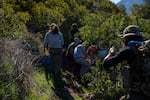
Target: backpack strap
(145,48)
(137,63)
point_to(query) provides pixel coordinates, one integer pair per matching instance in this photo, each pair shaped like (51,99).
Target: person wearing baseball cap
(69,54)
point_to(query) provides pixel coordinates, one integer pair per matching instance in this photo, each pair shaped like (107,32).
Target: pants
(56,55)
(85,65)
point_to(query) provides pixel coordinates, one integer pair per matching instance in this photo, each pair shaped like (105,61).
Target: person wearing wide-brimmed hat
(132,38)
(54,42)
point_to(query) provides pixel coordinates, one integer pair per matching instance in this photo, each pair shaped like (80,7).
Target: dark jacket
(129,55)
(126,54)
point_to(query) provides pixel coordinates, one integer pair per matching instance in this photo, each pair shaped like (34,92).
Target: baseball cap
(78,40)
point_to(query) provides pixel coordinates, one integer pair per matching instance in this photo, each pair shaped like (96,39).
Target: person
(73,31)
(93,53)
(80,55)
(132,39)
(54,42)
(70,50)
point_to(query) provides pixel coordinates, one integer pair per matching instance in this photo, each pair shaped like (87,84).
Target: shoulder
(80,45)
(48,33)
(129,50)
(71,44)
(60,33)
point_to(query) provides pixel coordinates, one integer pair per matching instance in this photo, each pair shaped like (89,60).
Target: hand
(112,50)
(44,52)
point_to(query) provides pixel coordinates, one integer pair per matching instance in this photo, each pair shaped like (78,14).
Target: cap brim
(126,35)
(120,34)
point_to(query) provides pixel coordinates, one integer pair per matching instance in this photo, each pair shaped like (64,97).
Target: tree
(12,23)
(141,11)
(147,1)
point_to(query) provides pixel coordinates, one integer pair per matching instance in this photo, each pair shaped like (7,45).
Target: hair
(55,29)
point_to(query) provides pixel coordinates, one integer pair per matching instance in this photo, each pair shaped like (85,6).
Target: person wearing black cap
(132,39)
(74,30)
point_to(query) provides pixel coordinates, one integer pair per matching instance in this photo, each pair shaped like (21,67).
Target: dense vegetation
(26,21)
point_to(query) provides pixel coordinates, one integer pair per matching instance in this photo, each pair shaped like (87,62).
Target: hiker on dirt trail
(80,56)
(132,39)
(74,30)
(54,42)
(69,54)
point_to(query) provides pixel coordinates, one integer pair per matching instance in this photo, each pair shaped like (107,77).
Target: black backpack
(70,51)
(142,70)
(144,51)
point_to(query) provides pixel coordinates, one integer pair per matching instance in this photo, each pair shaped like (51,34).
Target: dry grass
(18,65)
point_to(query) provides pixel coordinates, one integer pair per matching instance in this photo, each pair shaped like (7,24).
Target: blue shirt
(54,40)
(79,51)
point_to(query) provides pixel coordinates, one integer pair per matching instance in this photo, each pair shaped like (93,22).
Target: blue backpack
(47,62)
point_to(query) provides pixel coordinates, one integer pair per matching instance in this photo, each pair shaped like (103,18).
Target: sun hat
(131,30)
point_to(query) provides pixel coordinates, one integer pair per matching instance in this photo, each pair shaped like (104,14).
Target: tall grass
(16,70)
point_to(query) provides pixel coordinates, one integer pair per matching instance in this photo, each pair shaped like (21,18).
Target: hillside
(23,25)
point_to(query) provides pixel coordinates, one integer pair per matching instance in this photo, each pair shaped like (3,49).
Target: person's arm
(70,34)
(111,52)
(45,43)
(112,60)
(85,53)
(62,39)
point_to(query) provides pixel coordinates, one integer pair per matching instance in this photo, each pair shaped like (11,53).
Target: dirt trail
(73,87)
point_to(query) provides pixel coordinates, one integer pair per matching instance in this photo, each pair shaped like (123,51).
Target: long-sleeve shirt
(125,54)
(79,51)
(54,40)
(129,55)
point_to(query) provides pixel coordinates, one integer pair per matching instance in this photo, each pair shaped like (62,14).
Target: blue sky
(115,1)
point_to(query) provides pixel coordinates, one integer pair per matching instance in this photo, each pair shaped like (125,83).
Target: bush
(15,71)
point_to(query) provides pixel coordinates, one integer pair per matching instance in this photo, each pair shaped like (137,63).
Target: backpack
(142,70)
(47,63)
(139,76)
(70,51)
(144,51)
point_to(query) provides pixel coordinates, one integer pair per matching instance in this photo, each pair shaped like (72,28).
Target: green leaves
(141,11)
(13,24)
